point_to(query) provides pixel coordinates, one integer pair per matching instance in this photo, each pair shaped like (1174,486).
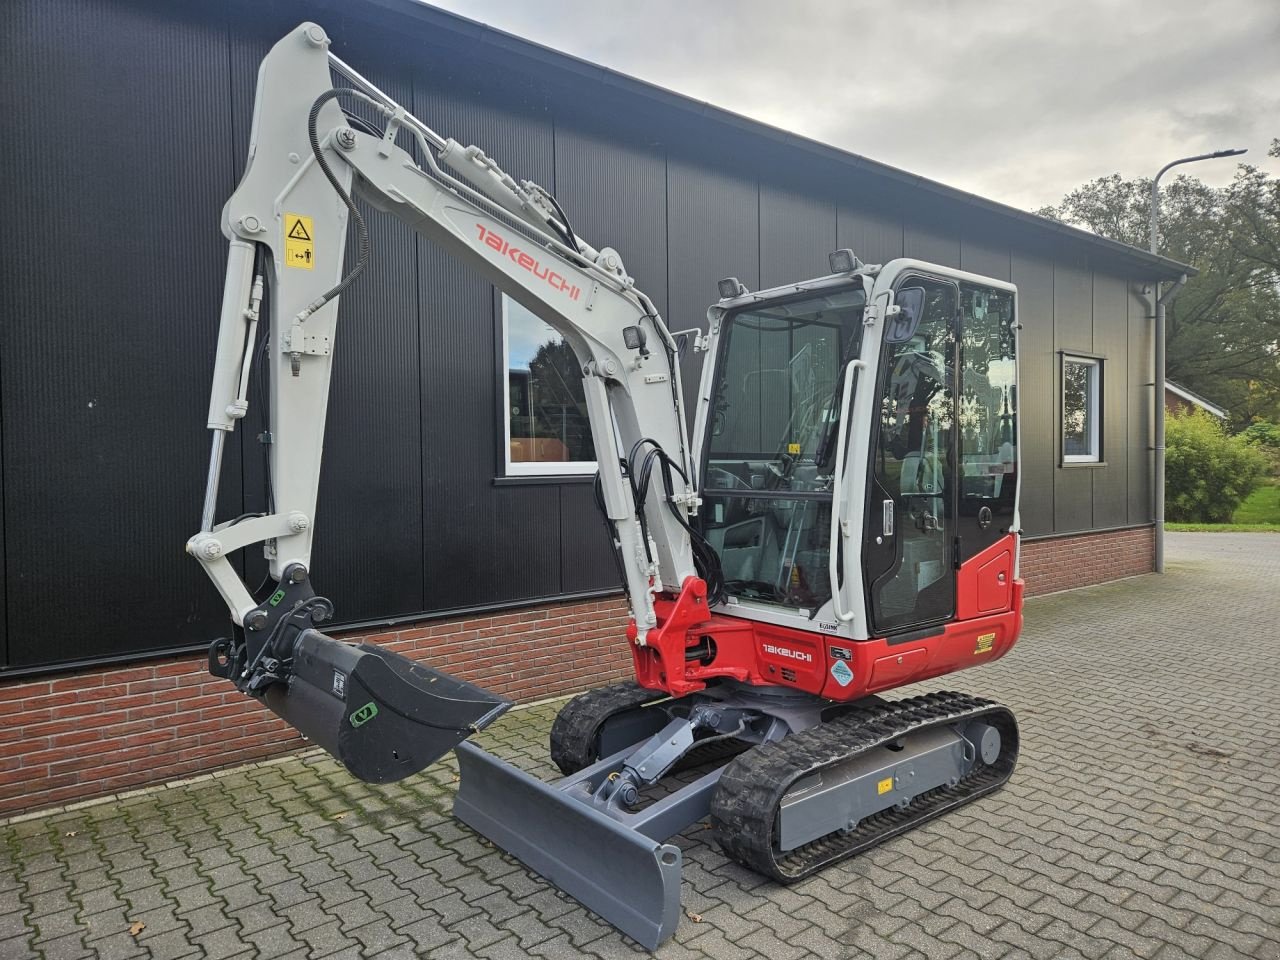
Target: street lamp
(1162,299)
(1155,187)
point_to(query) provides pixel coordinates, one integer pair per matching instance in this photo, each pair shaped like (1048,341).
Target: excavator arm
(287,224)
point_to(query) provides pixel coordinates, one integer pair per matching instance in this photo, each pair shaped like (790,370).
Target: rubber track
(744,806)
(574,732)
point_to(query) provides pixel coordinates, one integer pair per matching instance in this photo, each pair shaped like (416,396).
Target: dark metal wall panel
(986,252)
(1111,341)
(713,231)
(109,306)
(1072,305)
(927,239)
(522,553)
(797,232)
(872,233)
(1073,331)
(4,604)
(1140,395)
(1032,271)
(613,190)
(586,550)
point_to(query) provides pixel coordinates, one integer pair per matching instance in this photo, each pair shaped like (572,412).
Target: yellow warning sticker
(984,644)
(793,449)
(885,785)
(299,241)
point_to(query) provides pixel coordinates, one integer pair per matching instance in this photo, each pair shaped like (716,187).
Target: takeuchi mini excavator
(842,520)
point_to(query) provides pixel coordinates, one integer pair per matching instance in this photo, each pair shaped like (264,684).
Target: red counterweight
(692,645)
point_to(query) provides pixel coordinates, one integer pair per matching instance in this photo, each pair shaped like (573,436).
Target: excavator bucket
(381,715)
(627,878)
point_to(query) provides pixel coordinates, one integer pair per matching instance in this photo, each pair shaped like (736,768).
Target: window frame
(516,469)
(1094,401)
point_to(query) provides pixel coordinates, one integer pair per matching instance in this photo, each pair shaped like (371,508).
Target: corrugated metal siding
(612,190)
(713,232)
(984,251)
(797,231)
(110,310)
(872,232)
(1110,494)
(1032,271)
(586,549)
(110,281)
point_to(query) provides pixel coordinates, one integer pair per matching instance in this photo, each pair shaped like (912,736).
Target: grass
(1223,527)
(1260,513)
(1261,506)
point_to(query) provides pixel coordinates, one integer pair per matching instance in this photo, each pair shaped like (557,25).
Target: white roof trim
(1191,398)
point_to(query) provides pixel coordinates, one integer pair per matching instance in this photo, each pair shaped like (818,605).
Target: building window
(1081,410)
(547,431)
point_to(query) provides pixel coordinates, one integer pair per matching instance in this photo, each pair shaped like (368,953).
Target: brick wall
(1064,563)
(106,730)
(110,729)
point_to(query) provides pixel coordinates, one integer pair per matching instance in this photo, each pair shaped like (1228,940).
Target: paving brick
(1113,839)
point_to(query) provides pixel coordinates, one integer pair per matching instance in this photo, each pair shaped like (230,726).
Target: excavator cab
(840,520)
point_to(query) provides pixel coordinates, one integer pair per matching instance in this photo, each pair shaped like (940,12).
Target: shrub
(1265,437)
(1207,473)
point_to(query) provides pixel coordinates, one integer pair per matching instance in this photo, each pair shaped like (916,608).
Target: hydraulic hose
(362,231)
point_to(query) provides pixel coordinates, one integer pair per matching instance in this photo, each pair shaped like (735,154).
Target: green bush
(1265,437)
(1207,473)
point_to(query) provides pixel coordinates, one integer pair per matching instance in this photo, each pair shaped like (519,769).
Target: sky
(1015,100)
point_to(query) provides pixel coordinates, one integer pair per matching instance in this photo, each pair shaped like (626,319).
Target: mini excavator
(841,521)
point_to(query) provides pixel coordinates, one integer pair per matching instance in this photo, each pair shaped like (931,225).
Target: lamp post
(1161,299)
(1153,231)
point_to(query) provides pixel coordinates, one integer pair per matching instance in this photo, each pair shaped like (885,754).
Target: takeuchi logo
(790,654)
(528,262)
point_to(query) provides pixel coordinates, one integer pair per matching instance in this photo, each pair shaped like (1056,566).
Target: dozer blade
(381,715)
(631,881)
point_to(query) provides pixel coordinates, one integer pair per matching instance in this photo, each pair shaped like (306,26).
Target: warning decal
(885,785)
(299,241)
(984,644)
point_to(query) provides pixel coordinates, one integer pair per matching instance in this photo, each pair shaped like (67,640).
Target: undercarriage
(788,783)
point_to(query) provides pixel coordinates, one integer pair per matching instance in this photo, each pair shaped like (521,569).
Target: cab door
(911,517)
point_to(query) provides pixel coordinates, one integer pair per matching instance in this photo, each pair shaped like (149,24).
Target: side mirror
(902,323)
(682,345)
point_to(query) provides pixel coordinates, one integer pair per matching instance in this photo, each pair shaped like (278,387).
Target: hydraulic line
(362,231)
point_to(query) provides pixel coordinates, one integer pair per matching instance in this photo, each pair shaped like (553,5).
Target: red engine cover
(692,646)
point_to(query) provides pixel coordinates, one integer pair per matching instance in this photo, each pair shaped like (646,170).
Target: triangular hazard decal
(298,231)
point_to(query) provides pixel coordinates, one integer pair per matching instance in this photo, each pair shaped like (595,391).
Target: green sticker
(276,598)
(364,714)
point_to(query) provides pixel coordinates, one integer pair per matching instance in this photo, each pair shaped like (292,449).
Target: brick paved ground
(1143,820)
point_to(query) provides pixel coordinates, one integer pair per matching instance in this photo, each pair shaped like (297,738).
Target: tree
(1223,333)
(556,401)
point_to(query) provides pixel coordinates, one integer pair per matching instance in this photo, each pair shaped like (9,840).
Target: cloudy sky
(1014,100)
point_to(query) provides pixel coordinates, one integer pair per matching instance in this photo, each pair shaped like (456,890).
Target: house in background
(1178,399)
